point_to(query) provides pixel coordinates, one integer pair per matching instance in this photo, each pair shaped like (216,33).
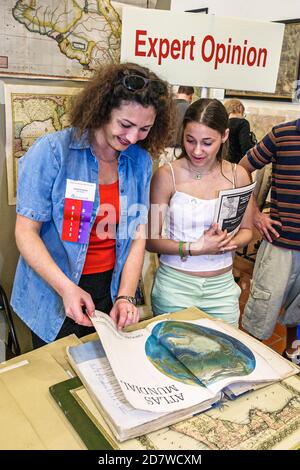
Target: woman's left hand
(124,313)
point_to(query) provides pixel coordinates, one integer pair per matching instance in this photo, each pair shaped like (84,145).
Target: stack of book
(168,370)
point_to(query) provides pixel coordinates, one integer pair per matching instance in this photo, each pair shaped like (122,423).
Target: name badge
(78,206)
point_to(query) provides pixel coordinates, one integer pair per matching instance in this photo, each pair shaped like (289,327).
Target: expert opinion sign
(203,50)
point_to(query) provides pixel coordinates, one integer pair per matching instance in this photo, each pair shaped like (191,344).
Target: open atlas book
(171,368)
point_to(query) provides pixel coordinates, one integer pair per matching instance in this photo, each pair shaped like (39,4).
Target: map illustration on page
(169,370)
(177,364)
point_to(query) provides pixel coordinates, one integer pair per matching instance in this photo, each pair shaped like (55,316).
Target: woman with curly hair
(82,205)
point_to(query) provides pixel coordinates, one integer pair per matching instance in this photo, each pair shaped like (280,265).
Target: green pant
(217,296)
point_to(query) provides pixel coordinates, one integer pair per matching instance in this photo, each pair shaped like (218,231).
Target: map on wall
(31,111)
(262,118)
(57,38)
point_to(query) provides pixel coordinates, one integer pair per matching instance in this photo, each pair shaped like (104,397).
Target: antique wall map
(58,38)
(30,112)
(263,117)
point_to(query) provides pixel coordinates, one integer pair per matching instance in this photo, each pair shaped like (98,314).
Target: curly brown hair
(93,106)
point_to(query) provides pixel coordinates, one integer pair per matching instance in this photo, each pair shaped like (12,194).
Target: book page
(94,369)
(172,365)
(145,386)
(125,421)
(231,207)
(279,364)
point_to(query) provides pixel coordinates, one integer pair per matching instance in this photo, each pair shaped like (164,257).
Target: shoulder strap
(233,169)
(173,176)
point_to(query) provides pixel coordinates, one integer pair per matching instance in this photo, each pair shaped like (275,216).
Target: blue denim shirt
(43,174)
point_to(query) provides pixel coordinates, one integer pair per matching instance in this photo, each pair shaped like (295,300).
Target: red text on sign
(210,50)
(161,48)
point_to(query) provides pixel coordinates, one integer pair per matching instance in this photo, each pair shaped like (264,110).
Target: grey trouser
(275,284)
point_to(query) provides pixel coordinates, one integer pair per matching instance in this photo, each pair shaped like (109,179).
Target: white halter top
(186,219)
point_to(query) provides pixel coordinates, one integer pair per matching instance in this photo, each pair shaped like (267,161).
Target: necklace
(97,155)
(198,173)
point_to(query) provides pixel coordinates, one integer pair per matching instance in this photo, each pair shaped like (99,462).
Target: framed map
(288,73)
(57,38)
(263,116)
(30,112)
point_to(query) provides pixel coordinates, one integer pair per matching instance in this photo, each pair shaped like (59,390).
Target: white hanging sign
(203,50)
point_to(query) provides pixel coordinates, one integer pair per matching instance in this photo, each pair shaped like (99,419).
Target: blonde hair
(234,106)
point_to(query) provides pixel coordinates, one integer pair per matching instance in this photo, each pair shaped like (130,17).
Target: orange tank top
(101,252)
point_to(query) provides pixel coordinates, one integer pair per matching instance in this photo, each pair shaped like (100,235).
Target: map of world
(58,38)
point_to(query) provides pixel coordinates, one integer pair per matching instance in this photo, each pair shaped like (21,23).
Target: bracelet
(180,250)
(189,250)
(181,254)
(129,298)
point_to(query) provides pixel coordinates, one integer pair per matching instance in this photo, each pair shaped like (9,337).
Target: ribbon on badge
(78,211)
(77,217)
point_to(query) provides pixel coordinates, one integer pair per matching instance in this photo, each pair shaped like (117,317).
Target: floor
(243,269)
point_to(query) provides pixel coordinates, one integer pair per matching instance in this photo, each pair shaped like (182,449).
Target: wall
(8,250)
(254,9)
(163,4)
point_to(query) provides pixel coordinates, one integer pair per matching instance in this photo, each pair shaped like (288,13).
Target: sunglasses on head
(134,83)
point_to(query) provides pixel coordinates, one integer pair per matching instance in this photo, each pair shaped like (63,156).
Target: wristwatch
(130,298)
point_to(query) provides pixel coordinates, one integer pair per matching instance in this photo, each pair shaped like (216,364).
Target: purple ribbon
(85,219)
